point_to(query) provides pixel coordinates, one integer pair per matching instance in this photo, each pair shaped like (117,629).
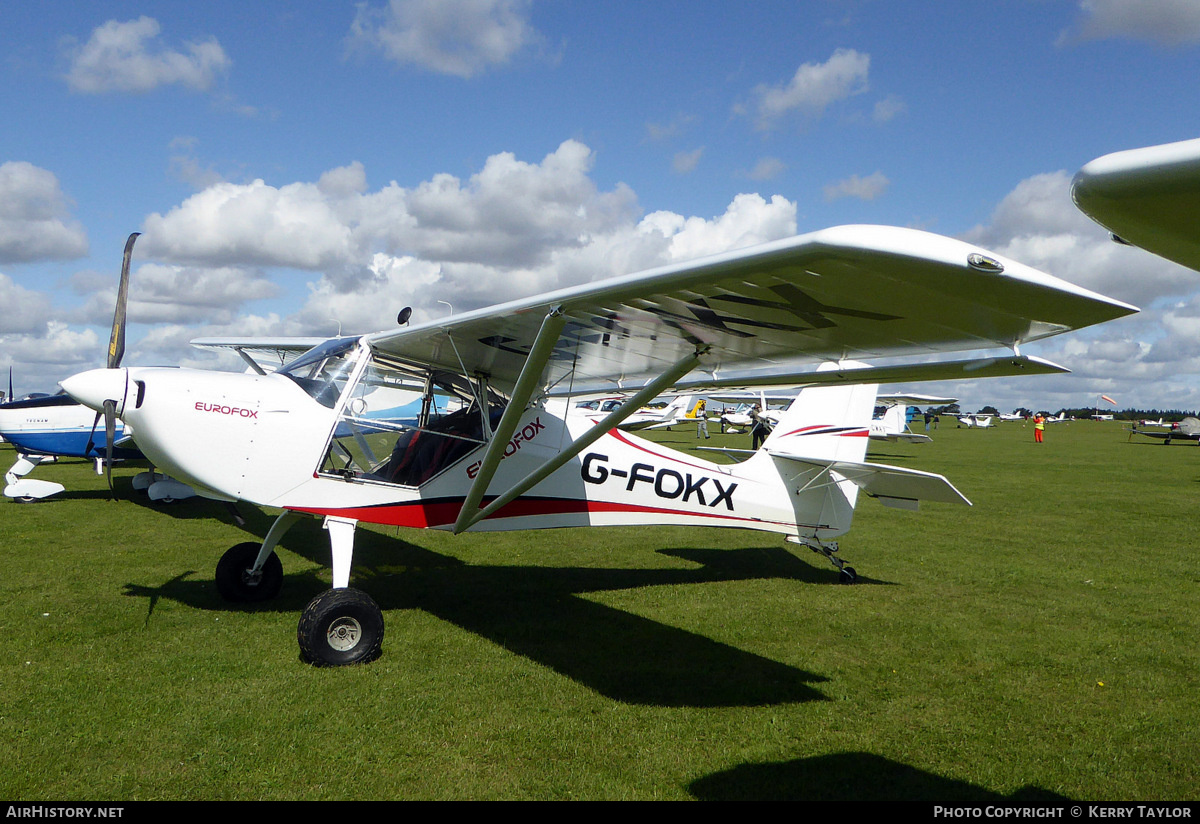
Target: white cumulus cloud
(1166,22)
(128,57)
(34,217)
(348,256)
(814,87)
(863,188)
(462,38)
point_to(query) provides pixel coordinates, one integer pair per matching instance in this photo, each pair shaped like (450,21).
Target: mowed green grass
(1041,644)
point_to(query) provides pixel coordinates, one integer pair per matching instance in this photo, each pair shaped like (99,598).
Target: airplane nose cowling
(96,386)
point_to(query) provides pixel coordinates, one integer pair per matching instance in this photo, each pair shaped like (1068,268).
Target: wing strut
(242,353)
(649,393)
(531,372)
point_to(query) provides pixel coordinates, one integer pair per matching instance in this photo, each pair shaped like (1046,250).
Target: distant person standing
(758,428)
(701,420)
(1039,426)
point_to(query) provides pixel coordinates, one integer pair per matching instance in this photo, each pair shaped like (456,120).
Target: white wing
(1147,197)
(262,353)
(852,292)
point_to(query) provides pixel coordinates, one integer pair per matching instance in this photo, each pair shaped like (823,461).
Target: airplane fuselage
(276,444)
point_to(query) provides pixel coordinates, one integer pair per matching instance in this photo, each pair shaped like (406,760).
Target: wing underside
(857,292)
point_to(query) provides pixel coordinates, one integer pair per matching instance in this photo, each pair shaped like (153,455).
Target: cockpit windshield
(322,371)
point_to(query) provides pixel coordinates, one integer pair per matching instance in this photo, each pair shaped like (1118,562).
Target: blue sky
(305,168)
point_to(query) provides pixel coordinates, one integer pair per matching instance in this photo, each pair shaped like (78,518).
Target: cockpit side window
(403,426)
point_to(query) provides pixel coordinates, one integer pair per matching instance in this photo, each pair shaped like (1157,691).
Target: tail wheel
(237,583)
(340,627)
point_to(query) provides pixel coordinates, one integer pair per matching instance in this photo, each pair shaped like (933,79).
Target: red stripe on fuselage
(443,512)
(826,429)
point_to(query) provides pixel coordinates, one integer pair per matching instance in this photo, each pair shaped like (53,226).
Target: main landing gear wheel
(237,583)
(340,627)
(847,575)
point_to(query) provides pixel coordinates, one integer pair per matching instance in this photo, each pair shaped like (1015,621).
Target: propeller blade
(110,434)
(92,435)
(116,343)
(10,394)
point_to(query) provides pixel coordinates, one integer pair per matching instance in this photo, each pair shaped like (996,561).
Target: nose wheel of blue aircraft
(340,627)
(237,579)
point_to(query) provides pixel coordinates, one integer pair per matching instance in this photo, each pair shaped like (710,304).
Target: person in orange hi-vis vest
(1039,426)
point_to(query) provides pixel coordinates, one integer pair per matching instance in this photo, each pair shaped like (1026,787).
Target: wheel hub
(344,634)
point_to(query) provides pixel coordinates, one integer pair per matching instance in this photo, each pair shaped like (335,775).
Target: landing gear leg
(846,574)
(341,625)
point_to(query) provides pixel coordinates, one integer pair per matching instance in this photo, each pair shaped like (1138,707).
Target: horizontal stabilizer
(909,437)
(893,485)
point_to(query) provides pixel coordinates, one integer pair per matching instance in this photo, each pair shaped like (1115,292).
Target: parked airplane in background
(306,439)
(768,408)
(976,421)
(891,416)
(45,428)
(645,418)
(1187,429)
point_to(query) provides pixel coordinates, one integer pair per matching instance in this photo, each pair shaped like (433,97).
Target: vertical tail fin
(824,427)
(895,419)
(677,408)
(830,423)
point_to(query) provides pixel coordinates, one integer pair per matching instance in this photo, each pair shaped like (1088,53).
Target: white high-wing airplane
(740,419)
(646,418)
(892,425)
(976,421)
(306,438)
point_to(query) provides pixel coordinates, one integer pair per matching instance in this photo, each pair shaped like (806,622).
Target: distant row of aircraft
(318,438)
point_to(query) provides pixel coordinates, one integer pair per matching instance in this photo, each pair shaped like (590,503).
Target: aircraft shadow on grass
(853,776)
(537,612)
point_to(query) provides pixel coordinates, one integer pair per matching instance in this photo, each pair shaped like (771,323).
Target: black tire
(234,581)
(848,575)
(340,627)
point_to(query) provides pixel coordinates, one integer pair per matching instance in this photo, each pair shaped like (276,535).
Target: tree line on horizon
(1166,415)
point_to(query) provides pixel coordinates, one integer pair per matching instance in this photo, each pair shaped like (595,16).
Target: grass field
(1040,645)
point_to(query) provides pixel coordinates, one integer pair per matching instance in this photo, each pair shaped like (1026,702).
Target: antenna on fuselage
(405,314)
